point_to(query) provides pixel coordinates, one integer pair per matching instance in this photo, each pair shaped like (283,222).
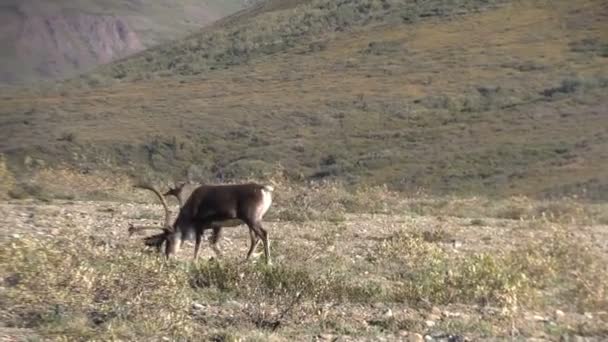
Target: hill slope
(452,96)
(53,39)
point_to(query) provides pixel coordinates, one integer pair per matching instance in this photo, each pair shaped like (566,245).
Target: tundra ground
(402,268)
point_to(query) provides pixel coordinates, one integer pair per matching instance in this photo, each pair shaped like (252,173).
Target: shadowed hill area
(50,39)
(493,97)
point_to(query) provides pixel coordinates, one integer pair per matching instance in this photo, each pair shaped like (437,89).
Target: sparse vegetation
(85,283)
(373,104)
(434,180)
(276,31)
(7,180)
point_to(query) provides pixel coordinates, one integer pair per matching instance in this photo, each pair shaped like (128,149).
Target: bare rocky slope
(50,40)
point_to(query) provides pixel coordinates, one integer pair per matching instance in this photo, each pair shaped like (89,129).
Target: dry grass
(7,180)
(330,277)
(413,102)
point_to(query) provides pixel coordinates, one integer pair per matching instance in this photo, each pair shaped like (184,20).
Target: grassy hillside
(494,97)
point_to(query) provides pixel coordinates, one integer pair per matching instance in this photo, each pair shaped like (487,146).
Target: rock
(388,313)
(198,306)
(429,323)
(415,338)
(233,304)
(538,318)
(326,337)
(559,314)
(433,317)
(403,333)
(452,314)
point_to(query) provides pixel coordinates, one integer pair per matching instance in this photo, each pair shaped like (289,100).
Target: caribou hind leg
(215,237)
(254,243)
(255,228)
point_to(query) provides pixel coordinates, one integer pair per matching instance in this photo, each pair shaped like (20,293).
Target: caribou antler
(134,229)
(155,240)
(147,186)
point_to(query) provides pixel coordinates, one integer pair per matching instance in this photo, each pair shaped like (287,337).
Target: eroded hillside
(45,40)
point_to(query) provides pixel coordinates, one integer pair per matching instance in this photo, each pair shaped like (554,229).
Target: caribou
(213,207)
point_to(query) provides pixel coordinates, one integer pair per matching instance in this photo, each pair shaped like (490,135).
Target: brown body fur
(216,206)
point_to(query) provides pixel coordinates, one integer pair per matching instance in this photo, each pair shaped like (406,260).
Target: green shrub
(29,190)
(71,286)
(428,274)
(272,32)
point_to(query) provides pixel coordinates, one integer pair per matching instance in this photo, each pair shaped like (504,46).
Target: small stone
(326,337)
(433,317)
(452,314)
(428,338)
(588,315)
(198,306)
(388,313)
(436,311)
(559,314)
(403,333)
(233,304)
(377,305)
(415,338)
(429,323)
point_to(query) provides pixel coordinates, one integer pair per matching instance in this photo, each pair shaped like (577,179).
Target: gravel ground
(351,240)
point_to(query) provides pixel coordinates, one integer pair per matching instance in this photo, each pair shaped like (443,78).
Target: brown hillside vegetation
(493,97)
